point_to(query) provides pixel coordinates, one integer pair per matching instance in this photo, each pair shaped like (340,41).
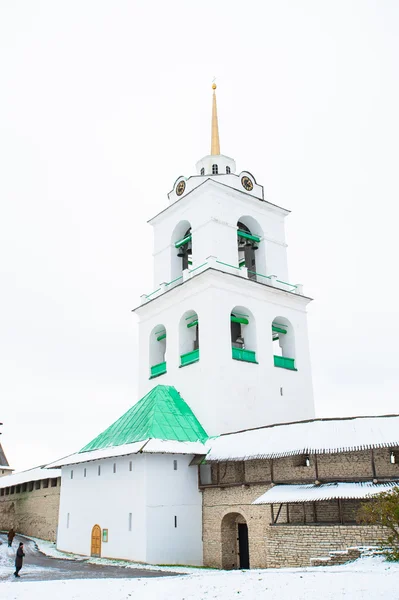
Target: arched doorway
(96,541)
(235,544)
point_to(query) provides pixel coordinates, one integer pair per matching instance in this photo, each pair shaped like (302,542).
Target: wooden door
(96,541)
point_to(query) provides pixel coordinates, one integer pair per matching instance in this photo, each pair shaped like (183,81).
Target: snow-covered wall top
(30,475)
(318,436)
(280,494)
(145,447)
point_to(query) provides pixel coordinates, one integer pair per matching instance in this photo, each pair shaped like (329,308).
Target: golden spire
(215,144)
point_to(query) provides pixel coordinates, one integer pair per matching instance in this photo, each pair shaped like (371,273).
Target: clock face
(247,183)
(181,186)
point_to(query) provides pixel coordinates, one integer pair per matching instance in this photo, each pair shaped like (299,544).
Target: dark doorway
(243,547)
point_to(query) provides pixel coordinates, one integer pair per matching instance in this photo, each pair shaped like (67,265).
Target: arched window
(202,171)
(189,338)
(157,351)
(243,335)
(283,344)
(181,249)
(228,170)
(247,244)
(215,170)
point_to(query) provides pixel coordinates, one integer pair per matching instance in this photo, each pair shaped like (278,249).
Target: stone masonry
(33,511)
(227,501)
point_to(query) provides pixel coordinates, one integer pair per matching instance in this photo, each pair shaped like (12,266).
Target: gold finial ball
(214,86)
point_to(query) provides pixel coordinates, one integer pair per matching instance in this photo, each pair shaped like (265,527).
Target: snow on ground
(366,579)
(49,549)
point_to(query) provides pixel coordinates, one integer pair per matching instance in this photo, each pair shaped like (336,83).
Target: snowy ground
(368,578)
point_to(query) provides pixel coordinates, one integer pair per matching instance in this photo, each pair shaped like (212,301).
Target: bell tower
(223,325)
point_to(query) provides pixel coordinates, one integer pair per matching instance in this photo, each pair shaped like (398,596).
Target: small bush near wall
(384,510)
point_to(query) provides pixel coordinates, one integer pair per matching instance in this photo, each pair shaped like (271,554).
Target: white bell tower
(223,325)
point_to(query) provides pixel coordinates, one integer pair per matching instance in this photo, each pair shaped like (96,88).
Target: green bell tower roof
(161,414)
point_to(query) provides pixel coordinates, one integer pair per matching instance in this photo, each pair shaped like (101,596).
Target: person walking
(10,536)
(19,559)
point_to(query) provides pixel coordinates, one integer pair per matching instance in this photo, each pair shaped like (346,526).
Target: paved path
(39,567)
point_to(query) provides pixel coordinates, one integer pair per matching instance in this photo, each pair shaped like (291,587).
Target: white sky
(103,104)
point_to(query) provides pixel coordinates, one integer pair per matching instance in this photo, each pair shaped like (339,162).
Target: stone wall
(235,485)
(290,469)
(32,512)
(295,545)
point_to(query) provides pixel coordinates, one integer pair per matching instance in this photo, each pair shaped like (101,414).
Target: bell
(181,252)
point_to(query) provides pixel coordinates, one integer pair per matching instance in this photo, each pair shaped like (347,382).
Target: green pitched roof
(162,414)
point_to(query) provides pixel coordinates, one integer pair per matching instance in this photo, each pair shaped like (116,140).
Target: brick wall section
(32,513)
(287,544)
(295,545)
(275,545)
(289,469)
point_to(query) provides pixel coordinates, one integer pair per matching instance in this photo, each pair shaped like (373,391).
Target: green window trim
(161,337)
(158,370)
(192,323)
(248,236)
(285,363)
(242,320)
(244,355)
(189,358)
(183,241)
(278,329)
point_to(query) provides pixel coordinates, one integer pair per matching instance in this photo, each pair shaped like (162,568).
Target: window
(67,524)
(392,457)
(215,169)
(37,485)
(157,351)
(189,338)
(45,483)
(202,171)
(130,521)
(84,472)
(2,492)
(175,465)
(54,482)
(99,470)
(18,489)
(30,486)
(130,465)
(24,486)
(175,521)
(181,252)
(243,335)
(283,344)
(247,244)
(114,468)
(7,491)
(71,474)
(228,170)
(12,491)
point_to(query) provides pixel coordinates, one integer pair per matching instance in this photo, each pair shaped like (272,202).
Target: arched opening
(228,170)
(283,344)
(202,171)
(96,541)
(157,349)
(189,338)
(181,249)
(248,242)
(243,334)
(235,543)
(215,169)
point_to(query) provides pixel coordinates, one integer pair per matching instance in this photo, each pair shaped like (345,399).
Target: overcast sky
(103,104)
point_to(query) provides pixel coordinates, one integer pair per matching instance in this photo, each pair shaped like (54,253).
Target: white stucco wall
(226,394)
(152,491)
(173,493)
